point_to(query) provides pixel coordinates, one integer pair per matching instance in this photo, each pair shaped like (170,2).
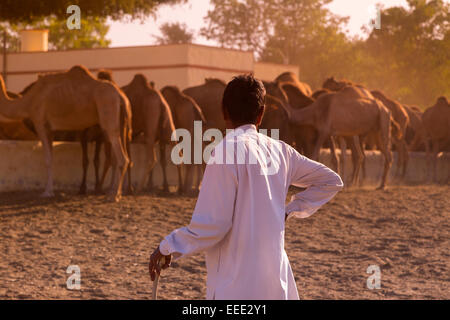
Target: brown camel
(319,92)
(341,114)
(209,97)
(184,111)
(152,122)
(401,117)
(276,117)
(73,100)
(414,131)
(13,129)
(292,77)
(92,134)
(398,115)
(305,136)
(436,123)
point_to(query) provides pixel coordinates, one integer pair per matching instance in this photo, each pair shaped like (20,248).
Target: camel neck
(14,109)
(304,116)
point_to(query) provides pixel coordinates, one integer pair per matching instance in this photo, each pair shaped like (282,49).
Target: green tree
(411,52)
(175,33)
(92,34)
(31,10)
(303,32)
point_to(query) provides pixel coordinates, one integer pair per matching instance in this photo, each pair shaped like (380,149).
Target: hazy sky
(192,13)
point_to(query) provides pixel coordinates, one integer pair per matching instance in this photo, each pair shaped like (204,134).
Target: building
(183,65)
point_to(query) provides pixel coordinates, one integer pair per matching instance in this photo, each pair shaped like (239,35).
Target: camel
(341,114)
(316,94)
(209,97)
(302,137)
(73,100)
(92,134)
(436,124)
(13,129)
(152,122)
(401,117)
(276,117)
(292,77)
(414,131)
(398,121)
(305,136)
(184,111)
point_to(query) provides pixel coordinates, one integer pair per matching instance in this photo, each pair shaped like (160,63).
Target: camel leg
(121,163)
(343,145)
(405,157)
(163,161)
(107,163)
(150,180)
(180,179)
(151,161)
(130,189)
(84,148)
(383,142)
(333,155)
(434,152)
(47,145)
(320,140)
(98,148)
(189,179)
(357,157)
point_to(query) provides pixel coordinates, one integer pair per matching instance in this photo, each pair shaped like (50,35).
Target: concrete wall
(22,166)
(183,65)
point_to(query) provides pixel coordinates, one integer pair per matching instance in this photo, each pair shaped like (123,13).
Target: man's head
(243,101)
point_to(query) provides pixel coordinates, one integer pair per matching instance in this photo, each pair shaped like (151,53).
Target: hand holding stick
(155,266)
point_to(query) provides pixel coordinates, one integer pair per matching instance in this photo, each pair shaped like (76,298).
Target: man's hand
(154,266)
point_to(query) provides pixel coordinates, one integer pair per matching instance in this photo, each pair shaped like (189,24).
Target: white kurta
(239,217)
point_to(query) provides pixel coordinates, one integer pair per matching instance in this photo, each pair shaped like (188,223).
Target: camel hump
(140,79)
(442,101)
(215,81)
(287,75)
(80,71)
(173,89)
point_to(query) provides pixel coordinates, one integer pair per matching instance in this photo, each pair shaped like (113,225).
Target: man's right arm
(213,214)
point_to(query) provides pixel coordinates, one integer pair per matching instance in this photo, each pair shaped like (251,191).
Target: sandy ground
(404,230)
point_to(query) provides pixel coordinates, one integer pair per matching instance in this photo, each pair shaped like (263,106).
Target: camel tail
(166,119)
(125,121)
(396,130)
(198,110)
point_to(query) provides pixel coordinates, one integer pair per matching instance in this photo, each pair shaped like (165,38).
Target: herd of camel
(75,105)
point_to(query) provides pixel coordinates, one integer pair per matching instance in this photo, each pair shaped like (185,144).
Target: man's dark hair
(244,99)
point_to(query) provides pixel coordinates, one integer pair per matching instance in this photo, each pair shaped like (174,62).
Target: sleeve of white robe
(212,217)
(321,184)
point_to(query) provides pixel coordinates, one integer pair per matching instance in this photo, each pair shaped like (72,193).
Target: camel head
(331,84)
(104,74)
(275,89)
(442,101)
(215,81)
(140,80)
(296,97)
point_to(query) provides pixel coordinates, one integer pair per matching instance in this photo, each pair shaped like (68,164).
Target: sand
(404,230)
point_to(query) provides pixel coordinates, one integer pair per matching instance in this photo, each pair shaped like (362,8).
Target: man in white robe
(239,218)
